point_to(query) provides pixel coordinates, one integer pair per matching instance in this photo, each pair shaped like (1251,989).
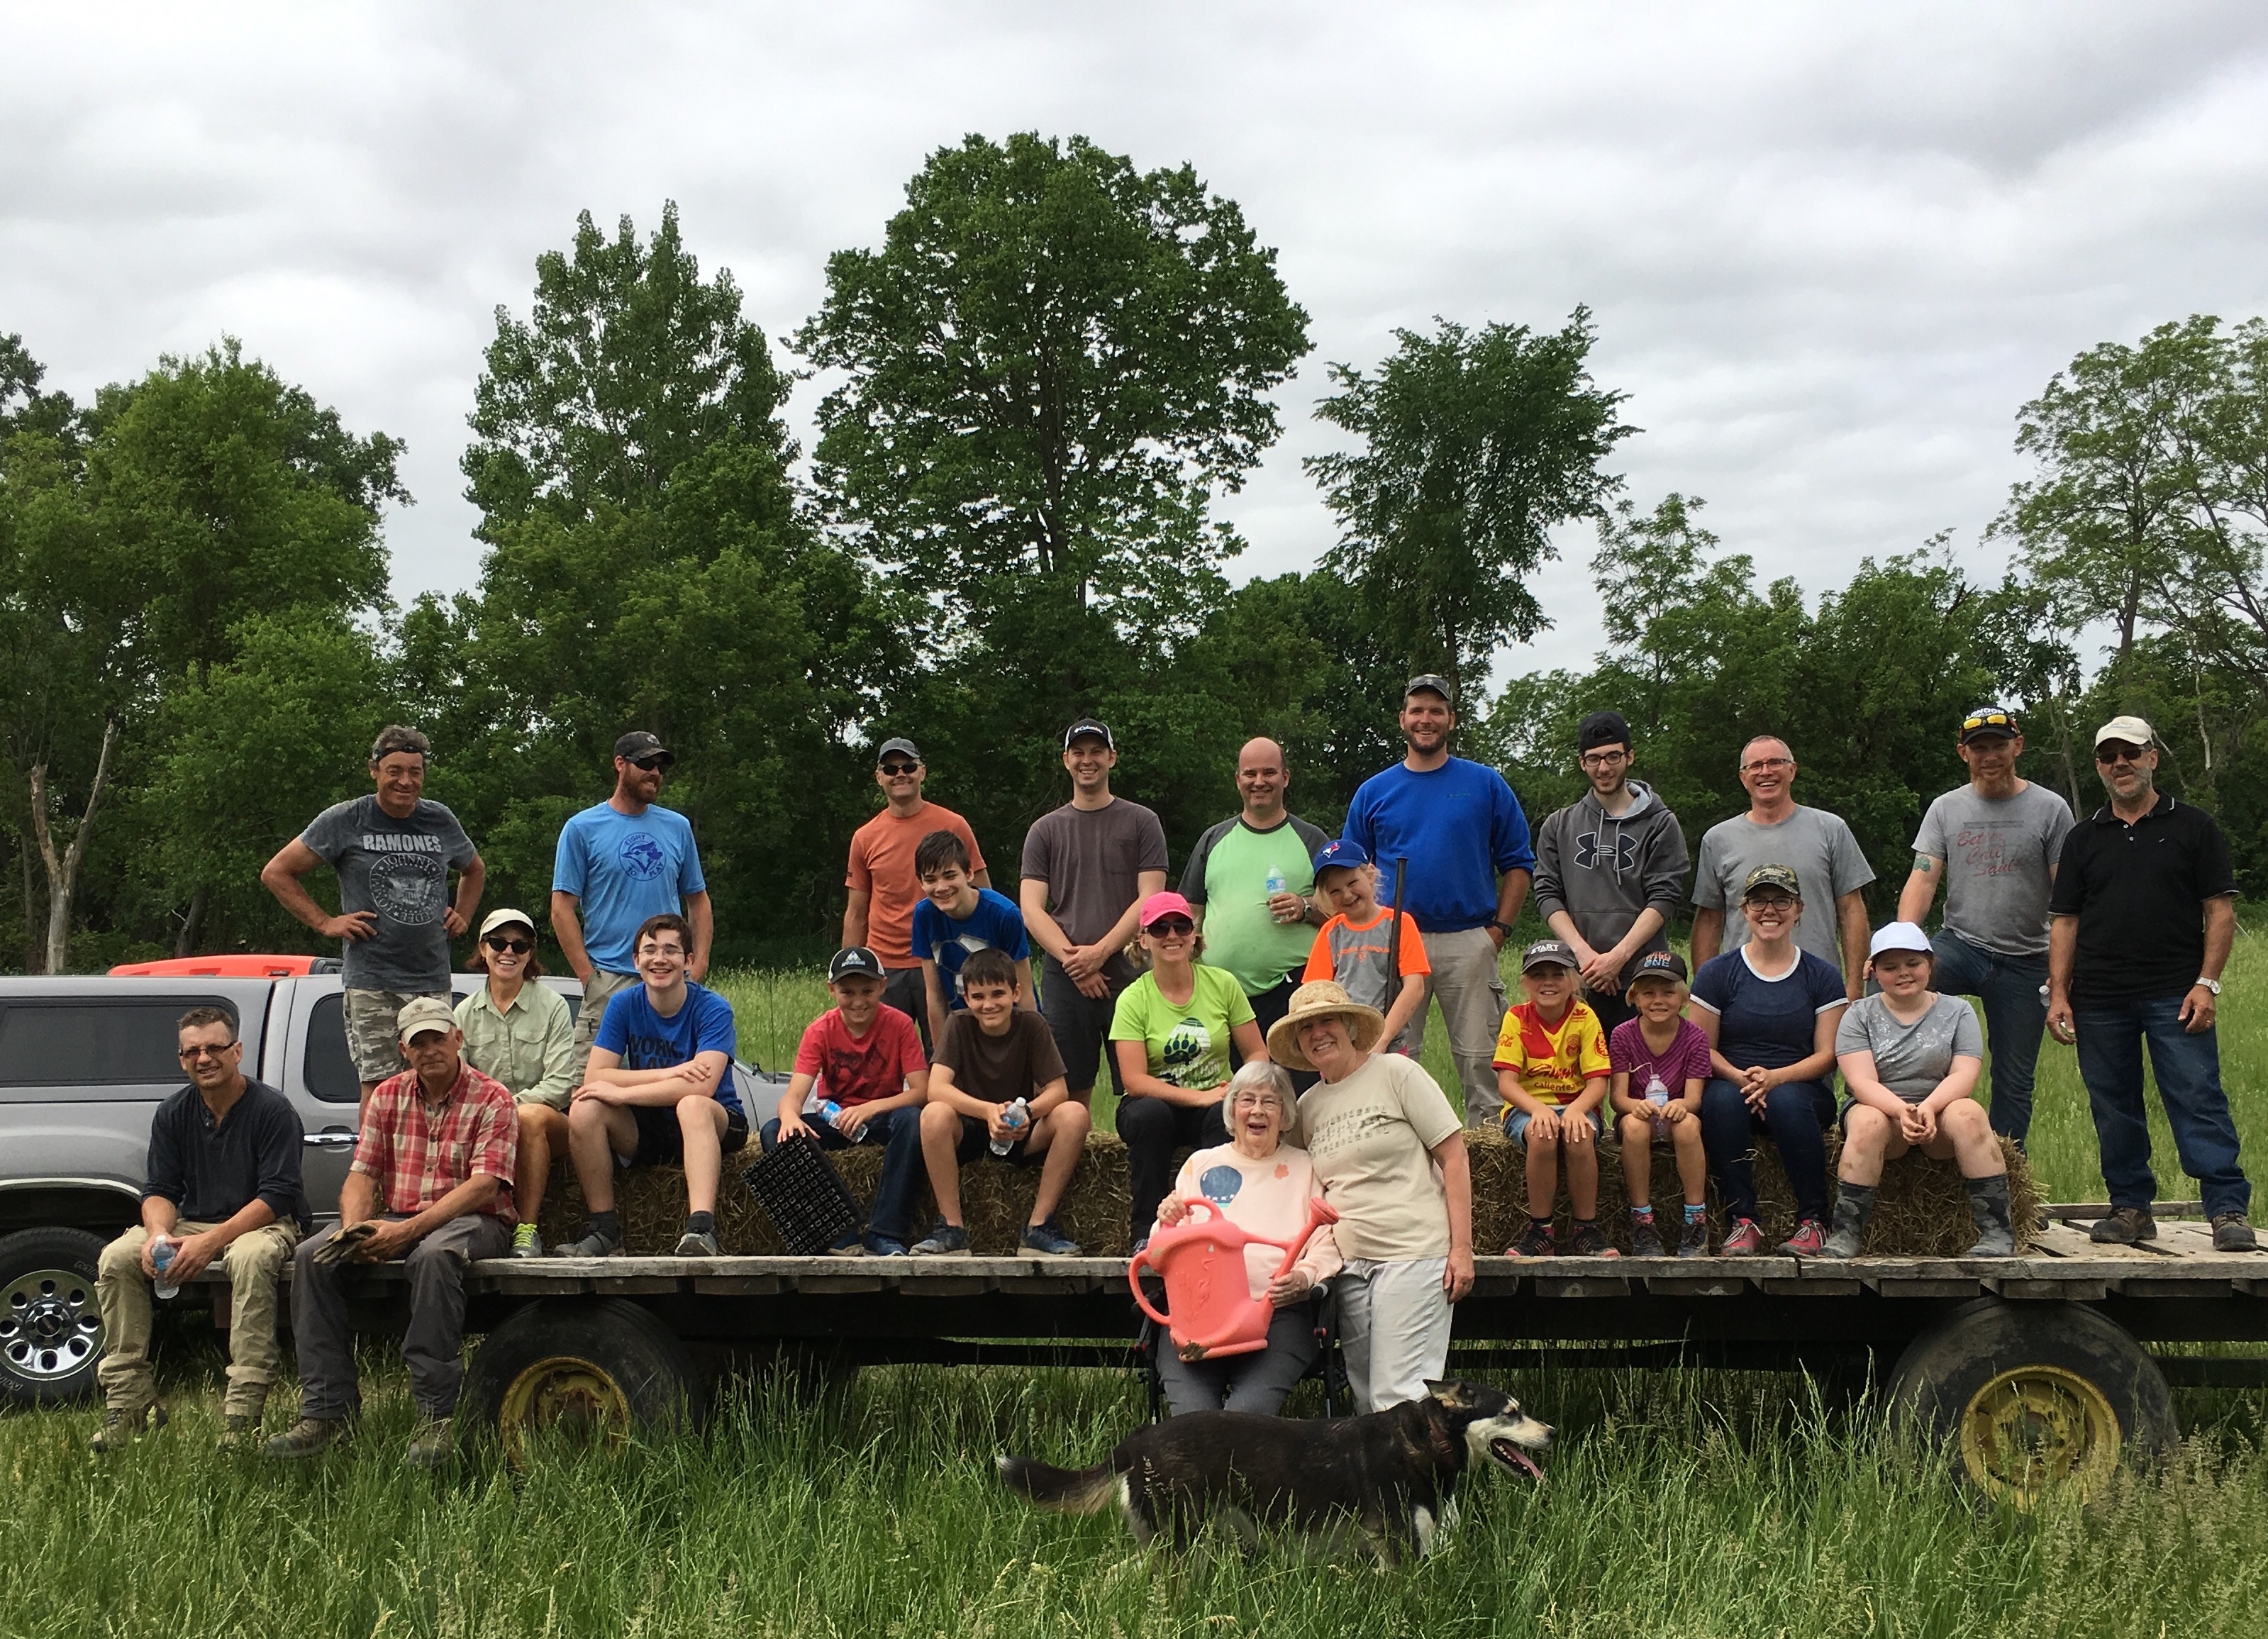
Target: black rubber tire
(1953,1368)
(656,1386)
(50,1329)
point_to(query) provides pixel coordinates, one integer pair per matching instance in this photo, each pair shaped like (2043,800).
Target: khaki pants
(253,1262)
(1470,988)
(602,989)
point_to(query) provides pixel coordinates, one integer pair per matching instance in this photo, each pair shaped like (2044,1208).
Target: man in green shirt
(1252,883)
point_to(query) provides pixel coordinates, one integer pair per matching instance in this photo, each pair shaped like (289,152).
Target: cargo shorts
(372,1041)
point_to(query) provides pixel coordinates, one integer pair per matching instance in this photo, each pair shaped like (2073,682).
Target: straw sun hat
(1323,997)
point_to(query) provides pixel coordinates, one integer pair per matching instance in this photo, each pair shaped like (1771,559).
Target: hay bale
(1923,1210)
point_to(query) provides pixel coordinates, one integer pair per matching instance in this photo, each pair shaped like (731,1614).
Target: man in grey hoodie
(1610,868)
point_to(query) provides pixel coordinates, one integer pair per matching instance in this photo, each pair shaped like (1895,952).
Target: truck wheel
(595,1371)
(2031,1396)
(50,1328)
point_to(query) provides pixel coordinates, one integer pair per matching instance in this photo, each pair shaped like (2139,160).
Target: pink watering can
(1203,1266)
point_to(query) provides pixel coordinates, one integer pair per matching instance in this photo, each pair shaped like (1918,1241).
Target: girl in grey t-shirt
(1910,1058)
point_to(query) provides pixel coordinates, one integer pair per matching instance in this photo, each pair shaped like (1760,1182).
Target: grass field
(1694,1504)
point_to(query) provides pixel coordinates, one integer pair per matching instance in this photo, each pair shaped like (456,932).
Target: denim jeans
(1797,1114)
(2189,1083)
(2015,1013)
(898,1131)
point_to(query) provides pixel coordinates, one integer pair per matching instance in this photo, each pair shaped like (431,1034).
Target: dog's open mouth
(1512,1456)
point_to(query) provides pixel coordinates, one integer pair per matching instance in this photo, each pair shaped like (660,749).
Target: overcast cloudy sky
(1830,249)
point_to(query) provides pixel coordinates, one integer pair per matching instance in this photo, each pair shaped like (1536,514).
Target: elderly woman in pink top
(1261,1184)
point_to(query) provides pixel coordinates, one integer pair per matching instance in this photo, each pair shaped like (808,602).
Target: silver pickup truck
(84,1062)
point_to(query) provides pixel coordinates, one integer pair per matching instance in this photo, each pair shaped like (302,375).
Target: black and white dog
(1392,1474)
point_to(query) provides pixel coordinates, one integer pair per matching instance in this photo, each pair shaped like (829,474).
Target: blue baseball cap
(1343,853)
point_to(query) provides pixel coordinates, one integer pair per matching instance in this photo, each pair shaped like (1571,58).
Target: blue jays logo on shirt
(642,857)
(1220,1184)
(1588,852)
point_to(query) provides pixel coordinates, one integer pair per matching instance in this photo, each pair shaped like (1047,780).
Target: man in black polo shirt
(2145,914)
(222,1185)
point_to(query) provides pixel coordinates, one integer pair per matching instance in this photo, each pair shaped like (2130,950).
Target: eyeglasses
(190,1056)
(1257,1101)
(1170,927)
(1604,759)
(1763,764)
(2118,752)
(1769,901)
(650,765)
(518,947)
(898,769)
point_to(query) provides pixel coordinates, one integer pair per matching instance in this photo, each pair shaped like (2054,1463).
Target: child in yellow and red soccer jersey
(1552,1068)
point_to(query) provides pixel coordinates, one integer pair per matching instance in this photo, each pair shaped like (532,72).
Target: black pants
(1152,1130)
(906,990)
(1611,1007)
(1080,1023)
(1267,1007)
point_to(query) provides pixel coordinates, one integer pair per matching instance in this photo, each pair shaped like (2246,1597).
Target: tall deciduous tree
(1476,444)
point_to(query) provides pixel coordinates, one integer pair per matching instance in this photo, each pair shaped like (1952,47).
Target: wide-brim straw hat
(1324,996)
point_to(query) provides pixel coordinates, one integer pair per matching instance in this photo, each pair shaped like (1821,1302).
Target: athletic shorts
(976,1140)
(661,1140)
(1515,1126)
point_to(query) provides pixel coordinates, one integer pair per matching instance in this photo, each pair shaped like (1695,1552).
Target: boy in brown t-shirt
(995,1056)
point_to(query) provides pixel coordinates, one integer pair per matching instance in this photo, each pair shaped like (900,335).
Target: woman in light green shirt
(523,1034)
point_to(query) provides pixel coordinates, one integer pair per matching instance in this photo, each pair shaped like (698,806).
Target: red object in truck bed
(238,966)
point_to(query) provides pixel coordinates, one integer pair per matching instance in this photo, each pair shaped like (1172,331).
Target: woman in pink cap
(1170,1046)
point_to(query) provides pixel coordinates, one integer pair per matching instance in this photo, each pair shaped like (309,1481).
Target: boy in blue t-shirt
(956,919)
(659,1090)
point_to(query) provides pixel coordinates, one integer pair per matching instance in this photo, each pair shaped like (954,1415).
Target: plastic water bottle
(1656,1093)
(1015,1115)
(161,1259)
(1274,883)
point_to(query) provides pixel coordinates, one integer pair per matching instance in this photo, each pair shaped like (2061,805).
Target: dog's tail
(1060,1491)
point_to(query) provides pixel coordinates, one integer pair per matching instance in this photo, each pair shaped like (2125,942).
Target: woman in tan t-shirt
(1391,1151)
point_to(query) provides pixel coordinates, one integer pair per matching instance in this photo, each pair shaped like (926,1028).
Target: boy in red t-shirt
(860,1071)
(1660,1063)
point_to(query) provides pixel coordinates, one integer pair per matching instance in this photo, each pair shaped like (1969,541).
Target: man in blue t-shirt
(658,1091)
(1455,831)
(619,864)
(952,920)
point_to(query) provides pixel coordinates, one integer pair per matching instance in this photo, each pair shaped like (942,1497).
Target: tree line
(1040,382)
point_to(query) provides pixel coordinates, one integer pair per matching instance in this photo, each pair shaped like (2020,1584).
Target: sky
(1828,250)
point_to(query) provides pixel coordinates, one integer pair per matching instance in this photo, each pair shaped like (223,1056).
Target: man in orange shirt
(885,887)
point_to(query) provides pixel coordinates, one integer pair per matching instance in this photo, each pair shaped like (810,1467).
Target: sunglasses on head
(1170,927)
(1987,719)
(518,947)
(2119,751)
(897,769)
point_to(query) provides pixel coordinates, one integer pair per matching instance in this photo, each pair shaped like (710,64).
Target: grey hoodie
(1602,870)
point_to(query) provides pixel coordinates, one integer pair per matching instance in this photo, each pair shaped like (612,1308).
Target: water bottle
(1656,1093)
(161,1259)
(1275,884)
(1015,1115)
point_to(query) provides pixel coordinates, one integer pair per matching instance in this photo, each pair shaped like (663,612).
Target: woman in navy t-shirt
(1769,1011)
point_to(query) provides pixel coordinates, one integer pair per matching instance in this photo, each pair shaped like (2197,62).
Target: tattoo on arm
(1923,864)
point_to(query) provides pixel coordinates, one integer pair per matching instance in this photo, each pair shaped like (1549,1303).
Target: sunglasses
(650,765)
(2115,753)
(190,1056)
(1170,927)
(1987,719)
(518,947)
(898,769)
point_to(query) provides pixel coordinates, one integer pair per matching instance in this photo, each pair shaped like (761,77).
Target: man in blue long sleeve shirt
(1461,829)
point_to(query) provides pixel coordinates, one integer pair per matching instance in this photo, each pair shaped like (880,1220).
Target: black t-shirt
(210,1170)
(2139,892)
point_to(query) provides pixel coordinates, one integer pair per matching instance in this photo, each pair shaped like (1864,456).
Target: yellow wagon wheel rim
(565,1395)
(2036,1428)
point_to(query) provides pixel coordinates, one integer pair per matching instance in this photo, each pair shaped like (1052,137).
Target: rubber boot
(1988,1205)
(1854,1204)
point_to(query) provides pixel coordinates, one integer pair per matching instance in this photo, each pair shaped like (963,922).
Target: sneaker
(596,1243)
(885,1246)
(696,1243)
(849,1246)
(305,1438)
(1590,1241)
(121,1428)
(1047,1239)
(1645,1239)
(526,1243)
(1808,1241)
(2233,1232)
(1746,1240)
(432,1442)
(1693,1238)
(946,1240)
(2124,1227)
(1535,1242)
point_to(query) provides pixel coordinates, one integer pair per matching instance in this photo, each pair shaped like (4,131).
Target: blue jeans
(1797,1114)
(2189,1083)
(2015,1013)
(899,1132)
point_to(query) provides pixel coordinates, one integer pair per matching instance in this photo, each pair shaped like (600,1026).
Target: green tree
(1476,444)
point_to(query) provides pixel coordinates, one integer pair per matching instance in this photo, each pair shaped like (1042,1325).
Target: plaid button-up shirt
(418,1153)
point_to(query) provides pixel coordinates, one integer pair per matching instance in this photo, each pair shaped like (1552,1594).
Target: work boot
(241,1428)
(2232,1231)
(1988,1205)
(432,1442)
(121,1428)
(305,1438)
(1854,1205)
(2124,1227)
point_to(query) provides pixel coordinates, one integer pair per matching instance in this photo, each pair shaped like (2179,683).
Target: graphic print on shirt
(1588,852)
(641,856)
(408,878)
(1186,1046)
(1220,1185)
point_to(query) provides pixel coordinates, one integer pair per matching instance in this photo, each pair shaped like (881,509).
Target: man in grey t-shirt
(1994,843)
(392,851)
(1777,830)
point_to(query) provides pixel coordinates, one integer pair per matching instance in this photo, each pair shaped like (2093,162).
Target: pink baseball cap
(1165,904)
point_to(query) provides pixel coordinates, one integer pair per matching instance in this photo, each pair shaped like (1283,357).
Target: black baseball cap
(1549,953)
(904,747)
(1090,726)
(1989,722)
(1601,728)
(856,962)
(1431,683)
(637,744)
(1658,964)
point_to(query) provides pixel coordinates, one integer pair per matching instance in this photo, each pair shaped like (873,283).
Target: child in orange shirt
(1552,1068)
(1355,947)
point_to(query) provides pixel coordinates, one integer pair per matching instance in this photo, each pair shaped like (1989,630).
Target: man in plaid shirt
(432,1185)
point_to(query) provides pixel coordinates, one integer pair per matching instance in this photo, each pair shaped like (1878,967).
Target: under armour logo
(1586,851)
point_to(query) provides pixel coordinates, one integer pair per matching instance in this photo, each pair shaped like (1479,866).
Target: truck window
(95,1042)
(328,1067)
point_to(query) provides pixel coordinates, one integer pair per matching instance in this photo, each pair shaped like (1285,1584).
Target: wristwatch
(2212,985)
(1504,928)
